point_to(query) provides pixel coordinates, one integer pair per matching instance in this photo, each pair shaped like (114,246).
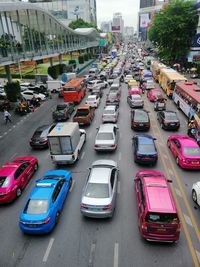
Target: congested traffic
(118,109)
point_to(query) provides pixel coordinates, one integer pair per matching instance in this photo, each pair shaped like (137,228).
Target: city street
(80,242)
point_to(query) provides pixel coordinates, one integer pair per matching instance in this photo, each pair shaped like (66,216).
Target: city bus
(155,68)
(186,96)
(168,78)
(74,90)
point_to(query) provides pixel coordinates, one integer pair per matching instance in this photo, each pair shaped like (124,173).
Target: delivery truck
(65,142)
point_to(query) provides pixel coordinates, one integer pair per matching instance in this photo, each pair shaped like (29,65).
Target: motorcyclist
(122,78)
(191,127)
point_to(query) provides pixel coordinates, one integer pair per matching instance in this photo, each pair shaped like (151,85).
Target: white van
(93,71)
(65,142)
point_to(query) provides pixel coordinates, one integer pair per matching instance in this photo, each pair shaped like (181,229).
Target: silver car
(100,190)
(135,101)
(106,138)
(110,114)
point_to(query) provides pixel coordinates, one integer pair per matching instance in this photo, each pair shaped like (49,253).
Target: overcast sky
(128,8)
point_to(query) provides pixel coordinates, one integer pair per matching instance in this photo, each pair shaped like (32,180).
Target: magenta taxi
(185,150)
(156,209)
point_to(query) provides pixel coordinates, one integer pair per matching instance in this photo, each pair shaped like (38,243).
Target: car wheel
(194,196)
(18,192)
(57,217)
(85,139)
(78,155)
(70,183)
(168,144)
(35,167)
(177,161)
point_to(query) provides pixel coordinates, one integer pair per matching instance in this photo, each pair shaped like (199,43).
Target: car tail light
(96,145)
(135,124)
(47,220)
(112,145)
(138,154)
(107,207)
(178,229)
(144,226)
(95,102)
(83,206)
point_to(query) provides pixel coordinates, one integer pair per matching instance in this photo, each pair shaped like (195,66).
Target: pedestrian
(7,116)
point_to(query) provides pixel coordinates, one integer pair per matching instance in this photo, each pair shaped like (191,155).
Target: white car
(128,78)
(106,138)
(196,193)
(110,114)
(96,84)
(28,95)
(93,101)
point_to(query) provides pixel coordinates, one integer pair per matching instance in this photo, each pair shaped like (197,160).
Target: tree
(173,28)
(80,23)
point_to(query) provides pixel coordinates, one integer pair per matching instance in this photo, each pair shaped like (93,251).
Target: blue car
(43,208)
(145,151)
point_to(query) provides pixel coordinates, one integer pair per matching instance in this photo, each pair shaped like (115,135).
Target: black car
(140,120)
(145,151)
(168,120)
(63,111)
(38,90)
(4,103)
(39,138)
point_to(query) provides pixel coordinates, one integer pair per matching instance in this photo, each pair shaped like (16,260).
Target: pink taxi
(154,94)
(185,150)
(14,176)
(134,90)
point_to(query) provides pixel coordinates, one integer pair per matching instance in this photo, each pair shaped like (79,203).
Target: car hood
(95,201)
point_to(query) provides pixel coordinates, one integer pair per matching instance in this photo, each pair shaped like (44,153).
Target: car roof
(169,112)
(104,162)
(100,175)
(107,127)
(158,195)
(110,107)
(43,189)
(43,127)
(188,141)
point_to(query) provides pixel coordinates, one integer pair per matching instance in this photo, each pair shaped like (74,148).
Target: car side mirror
(97,128)
(154,138)
(169,181)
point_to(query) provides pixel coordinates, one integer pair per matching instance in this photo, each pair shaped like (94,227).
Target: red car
(134,90)
(154,94)
(185,150)
(14,176)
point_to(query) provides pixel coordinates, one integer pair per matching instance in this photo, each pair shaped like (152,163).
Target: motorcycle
(121,79)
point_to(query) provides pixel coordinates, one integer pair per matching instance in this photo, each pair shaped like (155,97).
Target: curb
(85,66)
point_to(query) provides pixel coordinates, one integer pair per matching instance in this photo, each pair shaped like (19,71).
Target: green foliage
(54,71)
(80,23)
(173,28)
(86,57)
(80,59)
(12,91)
(72,62)
(62,68)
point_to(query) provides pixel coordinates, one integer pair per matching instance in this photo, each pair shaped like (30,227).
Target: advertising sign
(144,20)
(116,28)
(196,40)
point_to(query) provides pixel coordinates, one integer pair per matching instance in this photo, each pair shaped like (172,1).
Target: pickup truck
(84,115)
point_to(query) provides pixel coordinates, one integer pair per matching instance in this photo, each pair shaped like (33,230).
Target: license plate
(141,124)
(195,162)
(161,105)
(161,230)
(32,225)
(96,209)
(172,124)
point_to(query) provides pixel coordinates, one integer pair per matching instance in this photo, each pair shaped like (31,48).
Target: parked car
(140,120)
(63,111)
(135,101)
(93,101)
(168,120)
(14,177)
(106,138)
(39,138)
(110,113)
(185,150)
(154,94)
(196,192)
(100,190)
(145,151)
(28,95)
(43,208)
(158,218)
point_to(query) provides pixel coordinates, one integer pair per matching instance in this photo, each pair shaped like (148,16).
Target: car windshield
(136,97)
(3,181)
(104,136)
(91,83)
(95,190)
(162,218)
(109,112)
(69,89)
(191,151)
(141,117)
(170,116)
(91,98)
(82,112)
(156,93)
(146,148)
(60,107)
(37,206)
(40,133)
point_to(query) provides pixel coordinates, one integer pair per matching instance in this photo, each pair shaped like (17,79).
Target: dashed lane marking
(188,220)
(198,255)
(178,192)
(91,256)
(71,188)
(116,255)
(120,156)
(46,255)
(165,156)
(171,172)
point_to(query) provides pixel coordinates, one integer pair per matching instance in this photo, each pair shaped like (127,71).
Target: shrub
(54,71)
(12,91)
(81,59)
(72,62)
(86,57)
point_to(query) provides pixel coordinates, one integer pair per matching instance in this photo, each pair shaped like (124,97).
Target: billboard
(144,20)
(116,28)
(76,9)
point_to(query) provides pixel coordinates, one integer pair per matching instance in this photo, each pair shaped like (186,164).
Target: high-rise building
(118,23)
(128,31)
(69,10)
(146,3)
(106,26)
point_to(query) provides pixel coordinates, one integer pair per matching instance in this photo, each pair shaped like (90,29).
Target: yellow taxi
(132,82)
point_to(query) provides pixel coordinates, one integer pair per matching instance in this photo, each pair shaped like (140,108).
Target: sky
(128,8)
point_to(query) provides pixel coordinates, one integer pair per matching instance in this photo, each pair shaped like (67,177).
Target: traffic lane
(185,177)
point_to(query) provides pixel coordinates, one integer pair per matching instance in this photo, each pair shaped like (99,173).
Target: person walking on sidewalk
(7,116)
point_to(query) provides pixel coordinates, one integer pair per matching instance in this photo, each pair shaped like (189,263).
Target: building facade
(106,26)
(118,23)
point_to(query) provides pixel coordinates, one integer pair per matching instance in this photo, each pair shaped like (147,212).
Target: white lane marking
(120,156)
(118,187)
(13,156)
(116,255)
(5,133)
(198,255)
(83,154)
(188,220)
(178,192)
(91,257)
(73,182)
(171,172)
(14,126)
(1,136)
(165,156)
(46,255)
(90,134)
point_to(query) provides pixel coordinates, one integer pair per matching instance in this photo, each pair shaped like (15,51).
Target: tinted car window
(141,117)
(170,116)
(191,151)
(37,206)
(146,148)
(105,136)
(161,218)
(95,190)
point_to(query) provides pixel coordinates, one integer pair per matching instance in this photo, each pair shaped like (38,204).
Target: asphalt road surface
(80,242)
